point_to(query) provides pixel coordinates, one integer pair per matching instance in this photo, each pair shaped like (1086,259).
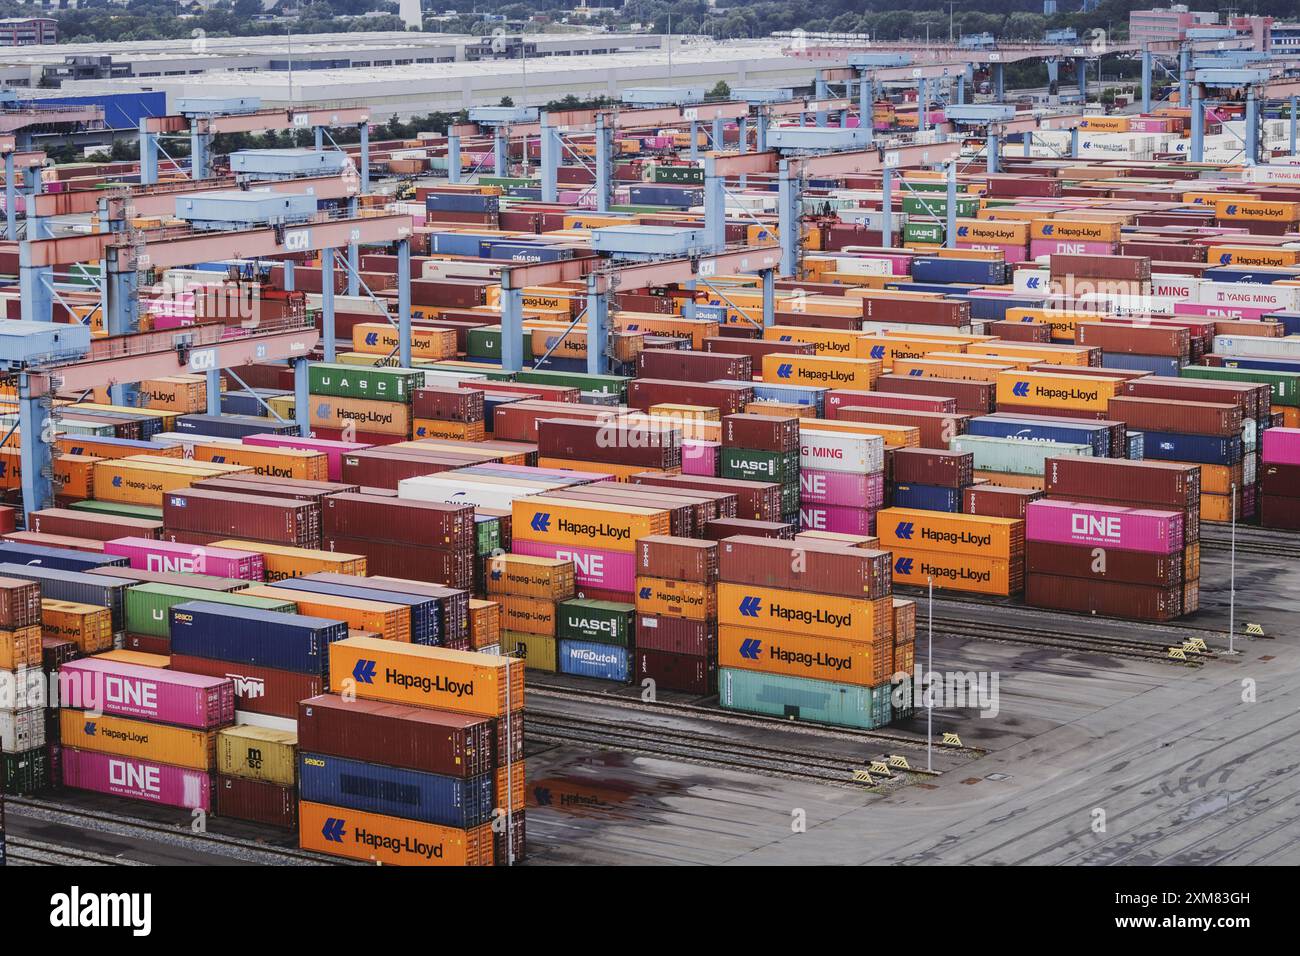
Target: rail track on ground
(38,853)
(1251,540)
(1071,641)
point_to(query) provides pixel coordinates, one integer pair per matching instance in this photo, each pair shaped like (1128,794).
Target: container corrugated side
(376,838)
(258,753)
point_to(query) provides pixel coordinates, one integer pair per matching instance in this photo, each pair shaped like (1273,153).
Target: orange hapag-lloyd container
(281,561)
(531,615)
(1061,321)
(952,533)
(889,348)
(591,523)
(89,445)
(1056,390)
(390,840)
(21,648)
(1040,353)
(821,615)
(89,626)
(381,338)
(367,414)
(799,655)
(972,370)
(138,739)
(697,330)
(1007,361)
(834,343)
(462,681)
(787,369)
(272,462)
(894,436)
(956,572)
(391,621)
(529,576)
(672,598)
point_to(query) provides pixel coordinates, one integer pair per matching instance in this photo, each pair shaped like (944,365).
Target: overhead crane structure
(1260,86)
(29,162)
(500,120)
(999,121)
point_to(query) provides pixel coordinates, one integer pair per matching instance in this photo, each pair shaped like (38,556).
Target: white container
(22,730)
(458,491)
(1285,347)
(1014,455)
(841,451)
(1249,295)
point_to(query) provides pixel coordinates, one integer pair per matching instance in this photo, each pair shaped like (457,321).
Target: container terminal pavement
(603,487)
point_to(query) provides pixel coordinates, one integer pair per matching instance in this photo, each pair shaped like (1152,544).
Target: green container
(608,384)
(938,206)
(357,381)
(748,464)
(506,182)
(26,772)
(604,622)
(691,175)
(147,512)
(487,536)
(485,343)
(636,208)
(929,186)
(1286,385)
(147,607)
(790,499)
(931,232)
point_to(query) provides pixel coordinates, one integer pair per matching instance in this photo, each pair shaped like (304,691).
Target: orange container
(510,780)
(1055,390)
(460,681)
(381,338)
(21,648)
(74,474)
(88,626)
(89,445)
(272,462)
(185,394)
(895,436)
(954,533)
(367,414)
(392,621)
(391,841)
(281,561)
(531,615)
(820,615)
(144,480)
(484,623)
(957,572)
(138,658)
(799,655)
(591,523)
(972,371)
(672,598)
(788,369)
(455,431)
(528,576)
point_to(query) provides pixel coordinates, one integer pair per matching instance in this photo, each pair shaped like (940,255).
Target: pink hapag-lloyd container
(146,554)
(592,567)
(332,450)
(837,518)
(136,779)
(148,693)
(841,488)
(1129,529)
(1281,446)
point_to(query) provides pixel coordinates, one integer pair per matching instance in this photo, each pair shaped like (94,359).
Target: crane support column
(1295,102)
(36,454)
(950,226)
(512,330)
(769,297)
(364,130)
(992,150)
(1252,127)
(148,156)
(499,147)
(288,275)
(760,140)
(301,399)
(550,161)
(1184,75)
(453,158)
(354,254)
(199,163)
(11,199)
(327,302)
(403,302)
(1081,74)
(597,328)
(718,137)
(1146,78)
(742,129)
(1198,125)
(921,111)
(34,288)
(695,141)
(604,162)
(715,206)
(213,389)
(999,86)
(787,216)
(887,208)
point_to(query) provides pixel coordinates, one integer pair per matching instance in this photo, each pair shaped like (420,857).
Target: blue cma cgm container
(245,635)
(802,698)
(232,426)
(62,559)
(1199,449)
(526,252)
(927,497)
(1097,437)
(587,659)
(460,802)
(426,615)
(813,395)
(975,271)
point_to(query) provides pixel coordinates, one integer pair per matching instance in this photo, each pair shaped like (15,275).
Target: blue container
(813,395)
(460,802)
(75,586)
(1200,449)
(1264,362)
(455,244)
(62,559)
(802,698)
(245,635)
(461,202)
(1097,437)
(427,619)
(1290,321)
(713,313)
(526,252)
(245,401)
(993,308)
(976,271)
(587,659)
(1136,446)
(532,193)
(1156,364)
(1258,274)
(927,497)
(232,426)
(675,197)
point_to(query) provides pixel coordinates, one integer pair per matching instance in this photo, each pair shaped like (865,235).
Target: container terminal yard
(878,468)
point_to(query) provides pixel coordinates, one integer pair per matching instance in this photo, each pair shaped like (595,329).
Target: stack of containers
(257,775)
(595,638)
(23,760)
(764,448)
(147,607)
(842,479)
(142,732)
(1145,518)
(930,478)
(677,613)
(439,736)
(400,537)
(447,412)
(361,404)
(805,630)
(961,552)
(1280,479)
(1012,462)
(529,591)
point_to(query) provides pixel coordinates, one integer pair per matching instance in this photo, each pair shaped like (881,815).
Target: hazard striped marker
(952,740)
(1177,653)
(899,762)
(1195,644)
(862,776)
(1255,629)
(880,767)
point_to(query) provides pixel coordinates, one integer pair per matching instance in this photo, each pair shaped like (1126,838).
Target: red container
(676,635)
(973,398)
(820,567)
(760,432)
(1120,479)
(1117,337)
(1164,415)
(247,517)
(1248,397)
(426,523)
(755,500)
(260,801)
(686,673)
(1277,511)
(451,568)
(1035,332)
(298,488)
(694,366)
(1081,561)
(676,558)
(944,312)
(1279,480)
(1131,268)
(148,644)
(728,398)
(756,348)
(259,690)
(841,398)
(397,735)
(20,604)
(547,393)
(517,421)
(618,443)
(721,528)
(447,404)
(1109,598)
(8,519)
(817,320)
(449,293)
(937,429)
(385,468)
(933,466)
(88,524)
(995,501)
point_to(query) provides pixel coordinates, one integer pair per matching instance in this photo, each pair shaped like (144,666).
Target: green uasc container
(604,622)
(359,381)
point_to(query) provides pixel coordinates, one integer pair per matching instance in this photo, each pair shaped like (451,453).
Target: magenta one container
(332,450)
(1048,247)
(837,518)
(820,487)
(592,567)
(136,779)
(1129,529)
(148,693)
(1281,446)
(172,557)
(700,457)
(1219,311)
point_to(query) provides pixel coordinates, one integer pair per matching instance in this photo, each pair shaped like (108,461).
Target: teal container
(801,698)
(1014,456)
(1286,385)
(601,622)
(487,535)
(359,381)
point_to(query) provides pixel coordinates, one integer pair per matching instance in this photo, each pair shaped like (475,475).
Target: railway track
(1071,641)
(1250,540)
(35,853)
(247,851)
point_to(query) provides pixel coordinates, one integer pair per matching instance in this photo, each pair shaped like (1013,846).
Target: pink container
(818,487)
(1281,446)
(1220,311)
(1129,529)
(592,567)
(700,457)
(899,265)
(146,554)
(136,779)
(1138,124)
(332,450)
(149,693)
(837,518)
(1009,253)
(1062,247)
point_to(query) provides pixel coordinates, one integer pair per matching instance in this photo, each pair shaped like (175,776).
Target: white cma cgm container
(1014,456)
(841,451)
(458,491)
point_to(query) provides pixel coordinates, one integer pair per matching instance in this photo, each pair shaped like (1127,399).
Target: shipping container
(257,753)
(125,690)
(822,615)
(454,801)
(242,635)
(243,798)
(800,698)
(812,566)
(136,779)
(138,739)
(841,660)
(591,659)
(376,838)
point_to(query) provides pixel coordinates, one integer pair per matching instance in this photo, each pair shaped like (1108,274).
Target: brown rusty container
(385,468)
(1034,332)
(1279,480)
(88,524)
(755,500)
(813,567)
(676,635)
(447,404)
(721,528)
(1248,397)
(760,432)
(686,366)
(677,558)
(643,445)
(1131,268)
(756,348)
(259,801)
(1158,483)
(685,673)
(249,517)
(973,398)
(449,567)
(933,466)
(1081,561)
(517,421)
(996,501)
(427,523)
(20,604)
(1165,415)
(838,398)
(1117,337)
(727,397)
(1277,511)
(1107,598)
(943,312)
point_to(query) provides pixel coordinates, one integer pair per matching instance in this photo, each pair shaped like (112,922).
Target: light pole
(929,698)
(1232,574)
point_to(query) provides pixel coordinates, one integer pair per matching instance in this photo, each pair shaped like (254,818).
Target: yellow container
(138,658)
(1041,354)
(391,841)
(672,598)
(454,431)
(382,338)
(676,326)
(281,561)
(20,648)
(138,482)
(954,572)
(594,524)
(258,753)
(894,436)
(1257,210)
(783,369)
(1265,256)
(1105,124)
(821,615)
(956,533)
(89,445)
(1055,390)
(539,652)
(798,655)
(1004,232)
(138,739)
(984,359)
